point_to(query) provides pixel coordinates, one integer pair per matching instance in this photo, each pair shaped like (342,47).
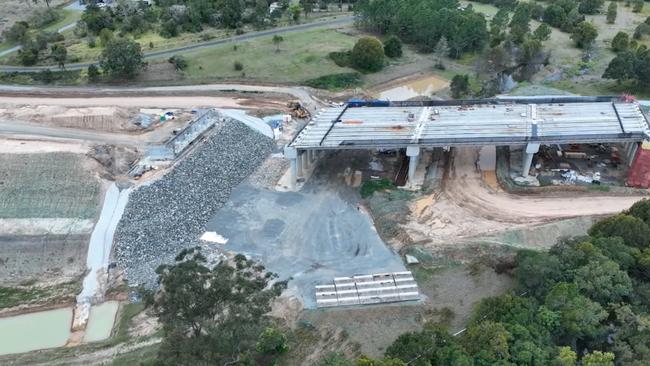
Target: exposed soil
(468,207)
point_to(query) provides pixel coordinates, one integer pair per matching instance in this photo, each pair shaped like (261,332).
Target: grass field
(69,16)
(302,56)
(46,186)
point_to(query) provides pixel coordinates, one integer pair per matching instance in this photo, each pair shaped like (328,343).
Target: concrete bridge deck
(513,121)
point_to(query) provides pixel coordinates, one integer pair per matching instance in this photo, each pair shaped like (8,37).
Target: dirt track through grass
(46,186)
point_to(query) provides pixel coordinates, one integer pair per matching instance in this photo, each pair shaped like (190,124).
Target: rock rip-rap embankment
(171,213)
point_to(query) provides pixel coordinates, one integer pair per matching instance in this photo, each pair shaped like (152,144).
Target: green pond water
(100,322)
(45,329)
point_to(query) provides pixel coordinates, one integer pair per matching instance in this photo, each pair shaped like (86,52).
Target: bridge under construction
(414,125)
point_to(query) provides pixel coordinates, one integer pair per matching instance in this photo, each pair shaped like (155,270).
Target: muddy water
(45,329)
(421,87)
(101,321)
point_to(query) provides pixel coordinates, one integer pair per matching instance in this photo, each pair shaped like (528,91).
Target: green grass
(20,295)
(140,357)
(68,17)
(371,186)
(46,186)
(302,56)
(335,81)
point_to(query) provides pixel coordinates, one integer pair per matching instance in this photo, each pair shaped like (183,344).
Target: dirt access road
(161,97)
(466,187)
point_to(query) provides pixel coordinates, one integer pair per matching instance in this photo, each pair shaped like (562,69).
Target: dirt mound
(116,159)
(109,119)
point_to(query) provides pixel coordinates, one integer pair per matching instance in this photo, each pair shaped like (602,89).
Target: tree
(584,34)
(621,68)
(93,73)
(598,358)
(603,282)
(573,18)
(640,209)
(277,39)
(231,12)
(590,6)
(295,10)
(28,55)
(261,12)
(17,32)
(487,341)
(368,54)
(620,42)
(272,341)
(542,33)
(122,57)
(459,86)
(441,51)
(393,47)
(579,317)
(611,13)
(213,316)
(498,26)
(180,63)
(632,230)
(307,6)
(637,5)
(538,272)
(520,23)
(95,19)
(565,357)
(555,15)
(59,54)
(105,36)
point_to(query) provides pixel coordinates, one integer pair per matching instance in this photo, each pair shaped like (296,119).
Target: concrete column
(634,146)
(299,165)
(529,152)
(291,154)
(294,172)
(305,161)
(413,152)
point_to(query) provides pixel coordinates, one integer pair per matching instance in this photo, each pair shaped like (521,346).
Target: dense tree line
(424,22)
(216,315)
(585,302)
(631,63)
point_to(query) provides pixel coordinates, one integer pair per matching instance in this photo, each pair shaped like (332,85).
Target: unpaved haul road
(161,97)
(466,188)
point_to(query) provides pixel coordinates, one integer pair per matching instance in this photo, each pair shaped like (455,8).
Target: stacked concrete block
(368,289)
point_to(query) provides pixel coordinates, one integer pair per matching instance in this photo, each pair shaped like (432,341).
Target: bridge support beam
(292,154)
(413,152)
(529,153)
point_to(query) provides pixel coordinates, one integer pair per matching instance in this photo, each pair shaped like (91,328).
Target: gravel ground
(171,213)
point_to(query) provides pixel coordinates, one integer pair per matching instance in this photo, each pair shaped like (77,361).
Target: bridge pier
(529,153)
(413,152)
(291,153)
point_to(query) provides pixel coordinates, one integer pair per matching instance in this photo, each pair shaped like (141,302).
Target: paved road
(155,54)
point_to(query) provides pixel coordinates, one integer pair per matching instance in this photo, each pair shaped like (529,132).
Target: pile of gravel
(171,213)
